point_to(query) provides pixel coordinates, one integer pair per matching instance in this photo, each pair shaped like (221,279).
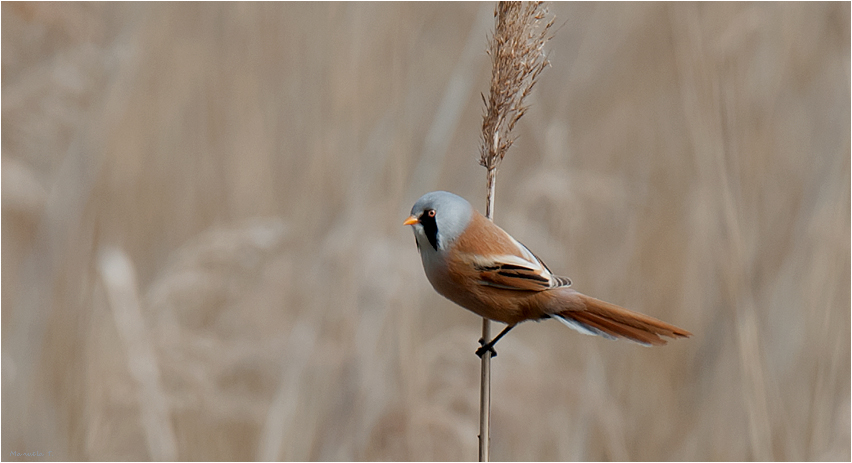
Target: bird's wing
(521,272)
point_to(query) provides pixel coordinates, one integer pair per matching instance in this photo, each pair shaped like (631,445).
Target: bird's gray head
(438,218)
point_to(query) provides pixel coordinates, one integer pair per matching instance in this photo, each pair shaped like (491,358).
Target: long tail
(596,317)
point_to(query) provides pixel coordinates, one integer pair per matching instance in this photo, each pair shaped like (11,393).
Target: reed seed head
(517,60)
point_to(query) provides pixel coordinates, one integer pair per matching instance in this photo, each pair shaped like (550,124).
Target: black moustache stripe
(430,227)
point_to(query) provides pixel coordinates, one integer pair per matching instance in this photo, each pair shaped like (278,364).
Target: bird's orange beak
(411,220)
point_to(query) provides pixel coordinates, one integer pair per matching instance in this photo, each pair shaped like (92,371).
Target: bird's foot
(486,347)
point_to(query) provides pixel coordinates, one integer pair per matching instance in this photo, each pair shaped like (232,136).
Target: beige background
(203,256)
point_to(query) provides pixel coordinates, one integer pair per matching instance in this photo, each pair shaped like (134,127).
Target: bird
(474,263)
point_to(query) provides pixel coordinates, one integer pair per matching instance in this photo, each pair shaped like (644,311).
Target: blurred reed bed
(203,256)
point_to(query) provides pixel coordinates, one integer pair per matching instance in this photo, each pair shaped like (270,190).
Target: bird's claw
(486,347)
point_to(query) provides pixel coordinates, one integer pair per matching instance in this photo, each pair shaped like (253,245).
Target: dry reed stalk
(119,278)
(517,60)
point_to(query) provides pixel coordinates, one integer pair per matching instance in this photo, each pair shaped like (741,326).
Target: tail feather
(583,327)
(593,316)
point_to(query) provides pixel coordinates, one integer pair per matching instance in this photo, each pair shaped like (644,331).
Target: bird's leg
(489,346)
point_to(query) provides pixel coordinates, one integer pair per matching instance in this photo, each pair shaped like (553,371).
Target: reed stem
(485,371)
(517,59)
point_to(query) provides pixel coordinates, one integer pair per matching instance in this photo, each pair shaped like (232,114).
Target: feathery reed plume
(517,59)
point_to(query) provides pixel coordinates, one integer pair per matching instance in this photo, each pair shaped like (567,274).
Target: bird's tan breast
(458,280)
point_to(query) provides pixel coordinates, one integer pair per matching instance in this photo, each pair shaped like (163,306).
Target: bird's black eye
(431,212)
